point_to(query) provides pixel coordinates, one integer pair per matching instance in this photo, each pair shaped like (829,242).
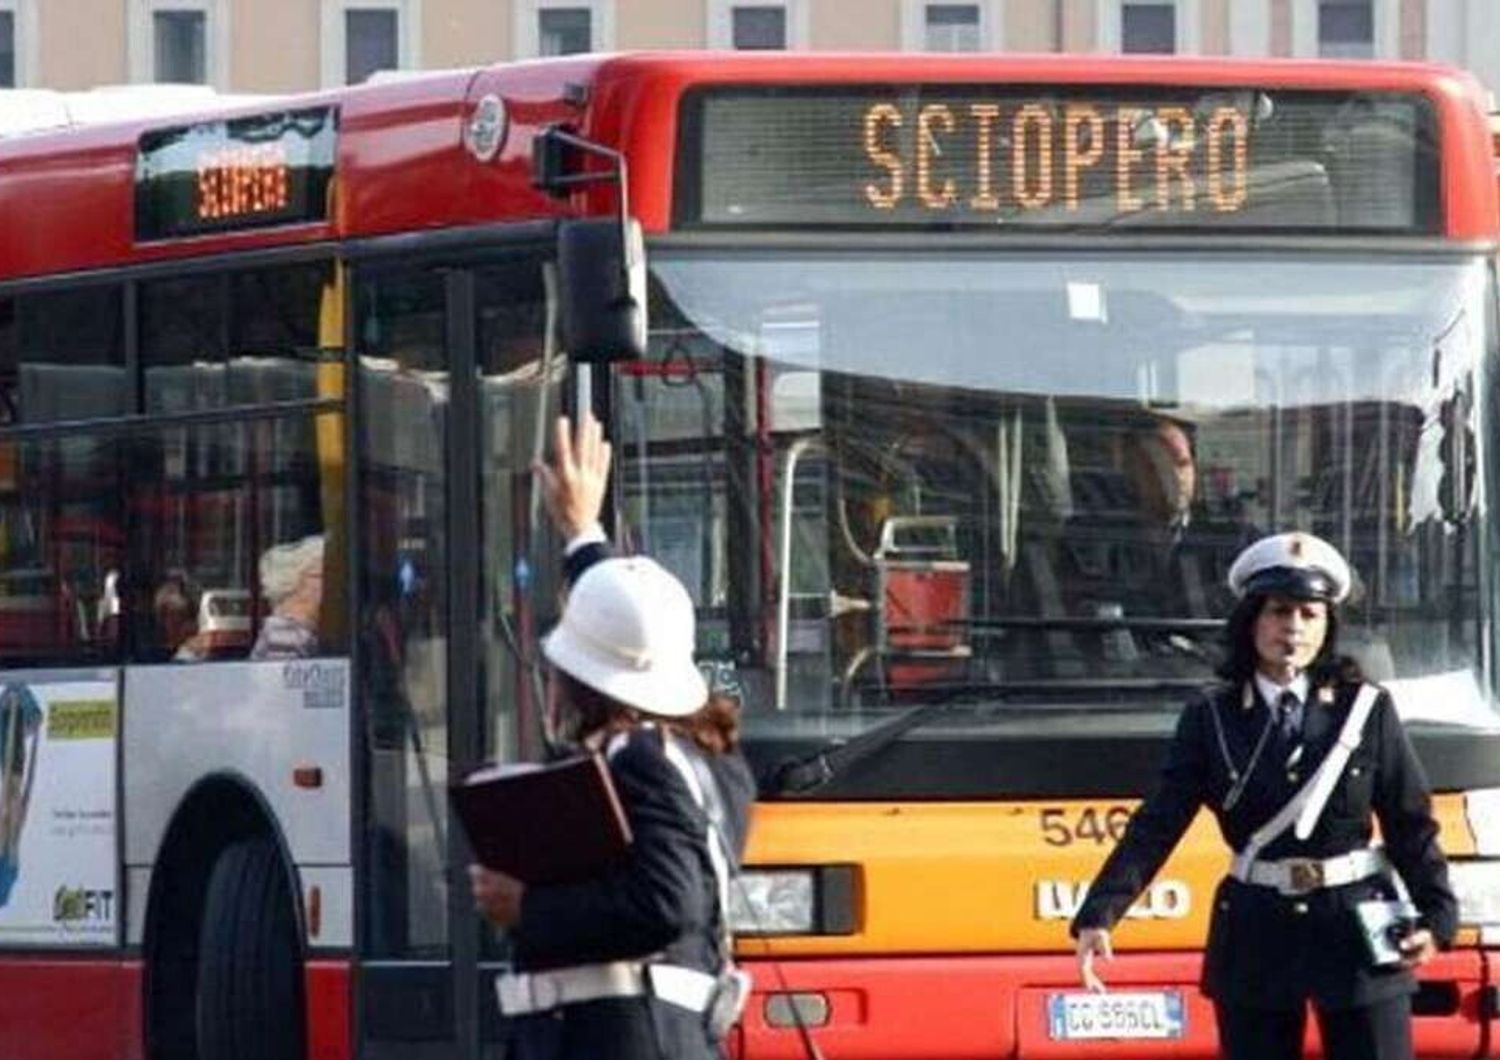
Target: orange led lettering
(1231,198)
(240,178)
(242,181)
(945,194)
(1033,195)
(1083,146)
(1126,154)
(876,118)
(985,114)
(208,195)
(1174,156)
(960,157)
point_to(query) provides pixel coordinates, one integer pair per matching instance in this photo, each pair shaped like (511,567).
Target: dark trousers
(1374,1032)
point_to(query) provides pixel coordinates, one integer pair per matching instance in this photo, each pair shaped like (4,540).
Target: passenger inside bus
(1141,532)
(291,578)
(1160,466)
(175,606)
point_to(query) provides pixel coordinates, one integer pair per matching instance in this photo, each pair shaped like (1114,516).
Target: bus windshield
(1016,482)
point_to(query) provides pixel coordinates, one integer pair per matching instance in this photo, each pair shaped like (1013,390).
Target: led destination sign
(1045,156)
(220,176)
(949,155)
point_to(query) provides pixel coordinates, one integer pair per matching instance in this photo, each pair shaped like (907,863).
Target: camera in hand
(1384,925)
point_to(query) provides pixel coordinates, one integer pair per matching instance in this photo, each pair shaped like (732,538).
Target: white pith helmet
(627,631)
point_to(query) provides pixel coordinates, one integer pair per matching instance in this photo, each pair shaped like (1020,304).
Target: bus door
(458,381)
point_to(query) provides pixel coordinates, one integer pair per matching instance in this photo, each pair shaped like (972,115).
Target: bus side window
(61,526)
(235,521)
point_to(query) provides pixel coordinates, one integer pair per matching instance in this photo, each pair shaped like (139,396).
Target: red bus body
(403,169)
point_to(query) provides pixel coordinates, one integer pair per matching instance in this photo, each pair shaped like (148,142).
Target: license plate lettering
(1149,1014)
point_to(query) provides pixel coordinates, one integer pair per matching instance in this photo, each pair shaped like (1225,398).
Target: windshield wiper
(811,772)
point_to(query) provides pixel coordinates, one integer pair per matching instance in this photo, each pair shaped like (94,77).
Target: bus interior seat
(1289,194)
(1062,655)
(224,622)
(924,600)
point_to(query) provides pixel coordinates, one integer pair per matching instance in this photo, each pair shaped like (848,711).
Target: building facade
(274,46)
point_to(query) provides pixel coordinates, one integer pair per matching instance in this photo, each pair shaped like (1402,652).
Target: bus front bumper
(952,1008)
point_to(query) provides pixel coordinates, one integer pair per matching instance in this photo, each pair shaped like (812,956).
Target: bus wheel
(250,999)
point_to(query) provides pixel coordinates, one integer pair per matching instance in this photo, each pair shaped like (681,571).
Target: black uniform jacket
(1267,950)
(661,902)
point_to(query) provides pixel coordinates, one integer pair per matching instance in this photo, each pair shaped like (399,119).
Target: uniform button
(1354,771)
(1300,908)
(1293,777)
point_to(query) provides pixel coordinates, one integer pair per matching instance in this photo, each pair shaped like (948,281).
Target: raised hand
(573,483)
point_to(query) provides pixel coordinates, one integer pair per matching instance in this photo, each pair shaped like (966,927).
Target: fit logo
(73,905)
(1164,900)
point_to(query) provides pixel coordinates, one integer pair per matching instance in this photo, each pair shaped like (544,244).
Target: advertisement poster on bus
(57,810)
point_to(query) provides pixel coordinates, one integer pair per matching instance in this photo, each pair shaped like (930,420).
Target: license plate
(1117,1014)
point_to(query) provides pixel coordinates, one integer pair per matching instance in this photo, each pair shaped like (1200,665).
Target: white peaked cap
(1293,564)
(627,631)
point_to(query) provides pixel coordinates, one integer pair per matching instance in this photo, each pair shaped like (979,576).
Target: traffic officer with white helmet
(1309,909)
(633,964)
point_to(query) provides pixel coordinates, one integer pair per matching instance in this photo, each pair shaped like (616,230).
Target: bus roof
(68,198)
(31,110)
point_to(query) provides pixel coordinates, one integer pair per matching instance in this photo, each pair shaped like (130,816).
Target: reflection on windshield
(896,480)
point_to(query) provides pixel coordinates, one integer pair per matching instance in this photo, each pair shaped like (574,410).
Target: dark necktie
(1289,718)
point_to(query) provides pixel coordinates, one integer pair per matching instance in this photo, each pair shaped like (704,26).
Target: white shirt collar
(1270,691)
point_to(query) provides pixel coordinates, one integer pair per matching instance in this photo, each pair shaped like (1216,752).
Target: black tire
(250,995)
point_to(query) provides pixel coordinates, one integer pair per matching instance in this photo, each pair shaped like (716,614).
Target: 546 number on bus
(1092,824)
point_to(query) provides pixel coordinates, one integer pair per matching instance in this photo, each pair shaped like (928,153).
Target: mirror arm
(550,175)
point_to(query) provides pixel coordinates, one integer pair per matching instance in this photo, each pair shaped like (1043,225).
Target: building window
(758,27)
(7,49)
(18,43)
(764,26)
(179,47)
(180,41)
(1148,28)
(562,27)
(952,28)
(1346,29)
(564,30)
(371,42)
(365,37)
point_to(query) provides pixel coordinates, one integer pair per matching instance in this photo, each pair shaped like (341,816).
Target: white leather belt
(521,993)
(1293,876)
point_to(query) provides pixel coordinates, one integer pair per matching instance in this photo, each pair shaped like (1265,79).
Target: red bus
(964,378)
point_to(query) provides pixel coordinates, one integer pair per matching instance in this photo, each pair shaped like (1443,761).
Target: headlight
(779,902)
(811,900)
(1477,884)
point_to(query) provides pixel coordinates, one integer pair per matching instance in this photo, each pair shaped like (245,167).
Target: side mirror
(601,267)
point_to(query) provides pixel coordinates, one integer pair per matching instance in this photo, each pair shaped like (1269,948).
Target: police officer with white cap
(1261,751)
(633,964)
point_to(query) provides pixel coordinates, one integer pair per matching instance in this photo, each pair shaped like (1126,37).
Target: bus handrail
(798,449)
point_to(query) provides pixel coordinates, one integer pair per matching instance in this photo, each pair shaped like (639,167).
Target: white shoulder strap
(1338,757)
(1307,805)
(716,852)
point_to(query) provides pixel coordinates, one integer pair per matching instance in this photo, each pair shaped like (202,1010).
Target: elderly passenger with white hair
(291,578)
